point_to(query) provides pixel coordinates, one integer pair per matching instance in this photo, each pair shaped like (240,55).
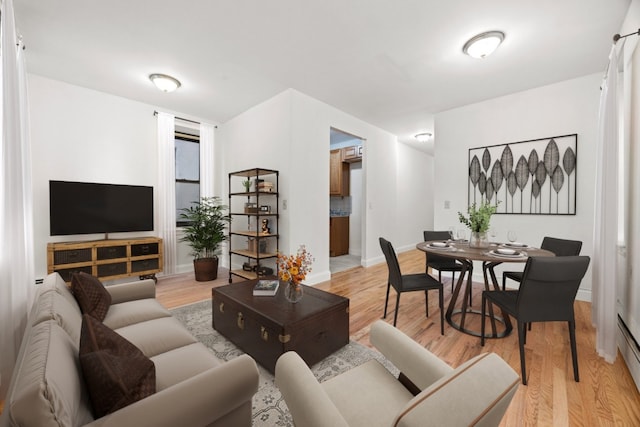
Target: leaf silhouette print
(541,177)
(557,180)
(474,174)
(486,160)
(496,176)
(511,187)
(535,191)
(551,160)
(490,190)
(533,165)
(569,163)
(506,163)
(482,185)
(522,176)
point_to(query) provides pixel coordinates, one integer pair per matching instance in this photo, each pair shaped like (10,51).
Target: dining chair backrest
(561,247)
(395,276)
(437,235)
(549,287)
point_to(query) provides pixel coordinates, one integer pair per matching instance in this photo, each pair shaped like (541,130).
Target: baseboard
(630,351)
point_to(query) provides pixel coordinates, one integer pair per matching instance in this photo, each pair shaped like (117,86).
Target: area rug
(269,408)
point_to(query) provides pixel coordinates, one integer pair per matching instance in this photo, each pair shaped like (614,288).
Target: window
(187,148)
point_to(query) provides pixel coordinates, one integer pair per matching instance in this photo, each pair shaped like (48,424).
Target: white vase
(478,239)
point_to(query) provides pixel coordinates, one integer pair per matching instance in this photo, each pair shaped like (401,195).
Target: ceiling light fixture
(424,137)
(483,44)
(164,82)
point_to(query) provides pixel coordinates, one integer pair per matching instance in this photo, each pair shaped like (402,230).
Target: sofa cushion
(46,389)
(172,369)
(157,336)
(51,305)
(91,295)
(132,312)
(115,371)
(356,395)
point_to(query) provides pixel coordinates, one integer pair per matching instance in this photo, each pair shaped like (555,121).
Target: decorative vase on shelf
(478,239)
(293,291)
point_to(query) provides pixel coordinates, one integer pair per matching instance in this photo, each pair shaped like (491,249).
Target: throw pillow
(93,298)
(115,371)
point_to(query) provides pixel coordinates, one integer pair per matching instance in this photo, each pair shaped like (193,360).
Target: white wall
(559,109)
(79,134)
(290,133)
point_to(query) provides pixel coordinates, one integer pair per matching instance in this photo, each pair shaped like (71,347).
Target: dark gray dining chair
(547,293)
(438,262)
(408,283)
(560,247)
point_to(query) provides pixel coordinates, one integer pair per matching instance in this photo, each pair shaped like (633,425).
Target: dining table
(491,256)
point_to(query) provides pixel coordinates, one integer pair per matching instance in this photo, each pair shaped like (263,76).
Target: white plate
(515,255)
(506,251)
(438,244)
(515,245)
(442,248)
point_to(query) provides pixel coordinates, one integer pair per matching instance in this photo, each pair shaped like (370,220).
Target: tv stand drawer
(109,258)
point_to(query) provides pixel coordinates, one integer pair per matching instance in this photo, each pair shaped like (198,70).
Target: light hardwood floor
(605,396)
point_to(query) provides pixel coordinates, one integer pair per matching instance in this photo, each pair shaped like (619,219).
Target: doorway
(346,201)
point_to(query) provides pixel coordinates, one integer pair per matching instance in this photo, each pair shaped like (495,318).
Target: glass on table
(461,234)
(512,236)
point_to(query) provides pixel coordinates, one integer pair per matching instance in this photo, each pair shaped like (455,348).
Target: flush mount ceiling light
(483,44)
(164,83)
(423,137)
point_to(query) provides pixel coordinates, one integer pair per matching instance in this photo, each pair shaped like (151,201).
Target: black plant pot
(206,269)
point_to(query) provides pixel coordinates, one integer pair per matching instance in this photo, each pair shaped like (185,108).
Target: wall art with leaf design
(536,177)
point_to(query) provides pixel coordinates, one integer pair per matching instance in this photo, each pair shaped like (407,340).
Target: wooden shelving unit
(248,245)
(107,259)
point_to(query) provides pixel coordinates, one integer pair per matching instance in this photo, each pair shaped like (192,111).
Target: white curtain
(17,277)
(207,141)
(605,251)
(167,190)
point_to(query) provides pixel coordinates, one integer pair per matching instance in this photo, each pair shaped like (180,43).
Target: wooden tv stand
(107,259)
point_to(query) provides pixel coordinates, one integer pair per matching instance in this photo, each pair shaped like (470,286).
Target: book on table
(266,288)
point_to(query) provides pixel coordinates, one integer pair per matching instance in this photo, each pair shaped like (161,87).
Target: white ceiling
(390,63)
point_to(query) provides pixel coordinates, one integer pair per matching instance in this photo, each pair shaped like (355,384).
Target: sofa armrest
(198,401)
(130,291)
(421,366)
(478,392)
(307,401)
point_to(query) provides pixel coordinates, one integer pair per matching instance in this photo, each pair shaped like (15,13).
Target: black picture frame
(533,177)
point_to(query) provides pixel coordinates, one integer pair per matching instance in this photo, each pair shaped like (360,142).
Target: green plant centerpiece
(478,221)
(207,221)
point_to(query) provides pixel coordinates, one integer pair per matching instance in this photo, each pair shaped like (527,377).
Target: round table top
(461,250)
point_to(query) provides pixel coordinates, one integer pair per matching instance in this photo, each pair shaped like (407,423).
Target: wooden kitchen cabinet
(338,174)
(338,235)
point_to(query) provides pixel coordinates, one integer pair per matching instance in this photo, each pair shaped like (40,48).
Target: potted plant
(207,221)
(478,221)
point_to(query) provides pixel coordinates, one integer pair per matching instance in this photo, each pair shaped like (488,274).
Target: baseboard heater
(630,351)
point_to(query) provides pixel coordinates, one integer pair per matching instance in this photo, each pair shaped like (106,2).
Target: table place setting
(444,246)
(507,252)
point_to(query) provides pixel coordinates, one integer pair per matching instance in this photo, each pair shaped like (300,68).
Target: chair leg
(386,301)
(426,303)
(504,282)
(395,315)
(441,302)
(574,353)
(453,279)
(524,332)
(482,318)
(521,338)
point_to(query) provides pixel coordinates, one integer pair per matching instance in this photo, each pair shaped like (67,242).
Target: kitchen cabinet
(338,174)
(338,235)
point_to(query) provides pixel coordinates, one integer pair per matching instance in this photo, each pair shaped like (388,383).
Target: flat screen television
(88,208)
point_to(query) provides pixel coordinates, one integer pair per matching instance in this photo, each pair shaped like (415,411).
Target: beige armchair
(476,393)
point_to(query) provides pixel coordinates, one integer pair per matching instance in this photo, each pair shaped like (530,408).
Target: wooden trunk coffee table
(267,326)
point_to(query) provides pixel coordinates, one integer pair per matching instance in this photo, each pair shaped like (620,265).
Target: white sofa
(193,387)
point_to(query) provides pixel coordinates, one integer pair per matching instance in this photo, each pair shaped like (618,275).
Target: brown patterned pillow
(116,372)
(93,298)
